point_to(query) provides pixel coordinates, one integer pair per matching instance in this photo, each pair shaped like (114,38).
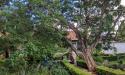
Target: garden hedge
(102,70)
(81,64)
(113,58)
(75,70)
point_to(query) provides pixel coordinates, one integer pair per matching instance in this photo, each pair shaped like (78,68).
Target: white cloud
(123,2)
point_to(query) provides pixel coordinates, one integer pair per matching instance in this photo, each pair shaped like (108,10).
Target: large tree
(96,23)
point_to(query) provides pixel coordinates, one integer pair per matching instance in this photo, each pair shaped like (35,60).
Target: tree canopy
(38,26)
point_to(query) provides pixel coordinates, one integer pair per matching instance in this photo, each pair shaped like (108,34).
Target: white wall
(119,46)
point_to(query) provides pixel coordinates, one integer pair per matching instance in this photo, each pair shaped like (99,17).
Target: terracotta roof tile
(72,35)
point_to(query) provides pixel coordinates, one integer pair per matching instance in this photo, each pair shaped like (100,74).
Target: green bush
(75,70)
(31,71)
(113,58)
(98,59)
(16,61)
(2,62)
(58,69)
(102,70)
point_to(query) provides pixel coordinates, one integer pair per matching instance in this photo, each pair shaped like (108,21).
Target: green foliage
(81,63)
(61,54)
(98,59)
(113,57)
(30,71)
(55,68)
(58,69)
(75,70)
(32,41)
(30,54)
(17,61)
(99,18)
(33,52)
(2,2)
(121,32)
(101,70)
(34,44)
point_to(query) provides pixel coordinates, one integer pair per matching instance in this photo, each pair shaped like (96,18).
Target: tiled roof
(72,35)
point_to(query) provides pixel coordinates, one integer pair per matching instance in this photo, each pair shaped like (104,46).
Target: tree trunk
(72,57)
(89,60)
(7,52)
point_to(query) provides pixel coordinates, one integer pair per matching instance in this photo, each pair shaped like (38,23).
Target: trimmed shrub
(102,70)
(75,70)
(113,58)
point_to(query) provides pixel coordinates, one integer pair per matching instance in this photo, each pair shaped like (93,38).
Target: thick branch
(98,36)
(78,35)
(117,31)
(115,23)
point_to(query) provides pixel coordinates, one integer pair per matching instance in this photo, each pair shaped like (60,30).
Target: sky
(123,2)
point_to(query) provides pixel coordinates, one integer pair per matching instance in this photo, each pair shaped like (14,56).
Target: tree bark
(7,52)
(86,55)
(72,57)
(89,60)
